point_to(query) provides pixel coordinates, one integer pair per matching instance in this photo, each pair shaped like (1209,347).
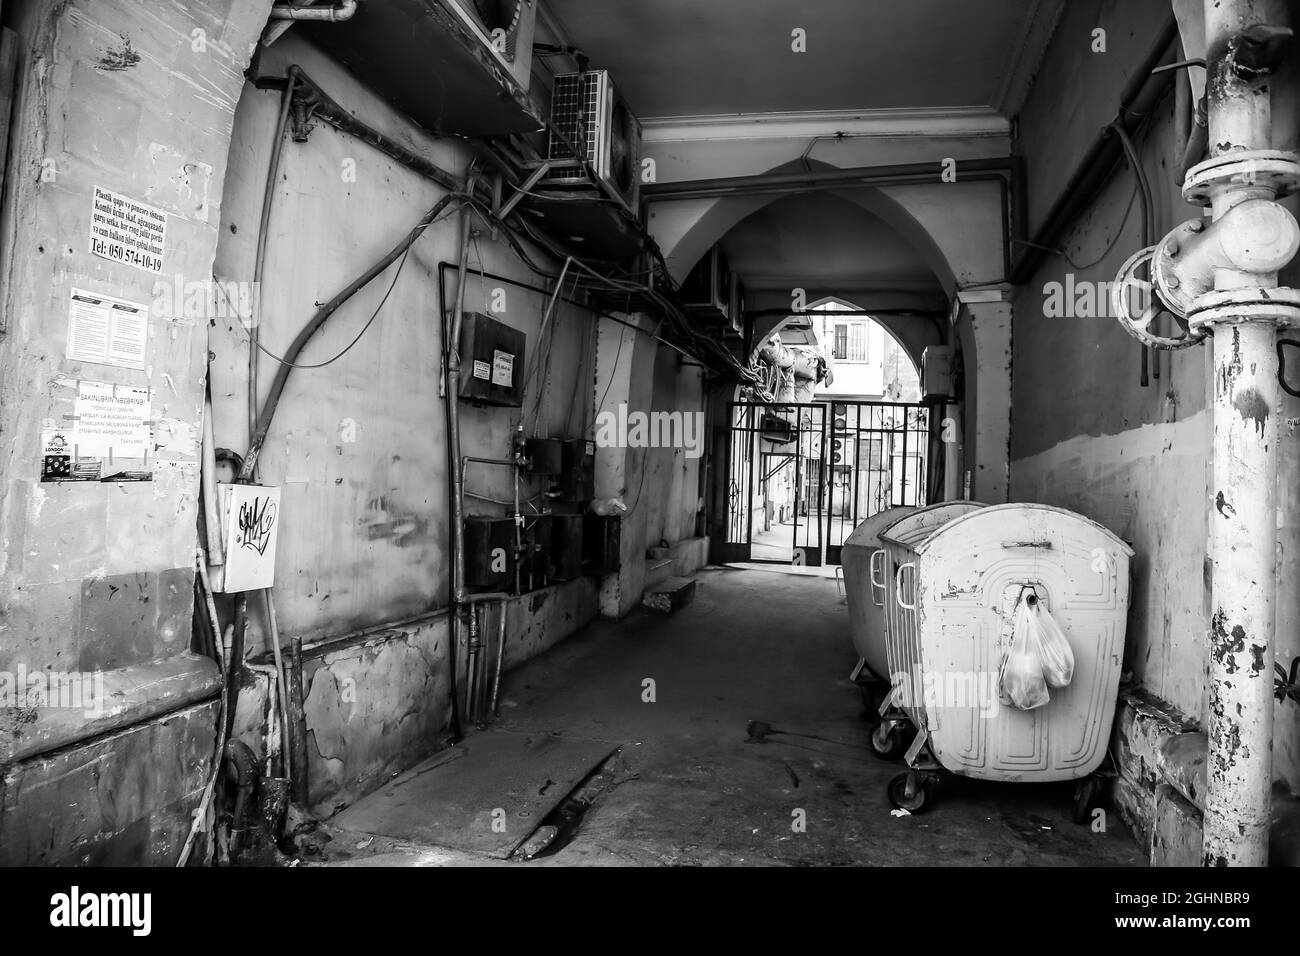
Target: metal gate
(801,477)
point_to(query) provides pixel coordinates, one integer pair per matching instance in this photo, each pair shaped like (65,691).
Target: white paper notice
(124,230)
(503,368)
(112,420)
(107,331)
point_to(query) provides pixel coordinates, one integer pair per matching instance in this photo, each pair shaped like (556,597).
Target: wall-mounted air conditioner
(708,288)
(587,110)
(736,314)
(505,27)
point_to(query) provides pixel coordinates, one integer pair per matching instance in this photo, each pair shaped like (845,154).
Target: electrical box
(545,455)
(491,361)
(601,538)
(566,547)
(577,480)
(250,526)
(490,553)
(938,378)
(537,553)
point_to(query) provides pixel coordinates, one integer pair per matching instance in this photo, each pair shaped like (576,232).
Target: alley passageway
(690,788)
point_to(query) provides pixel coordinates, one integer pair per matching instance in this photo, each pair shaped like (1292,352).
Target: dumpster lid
(1123,545)
(912,529)
(867,533)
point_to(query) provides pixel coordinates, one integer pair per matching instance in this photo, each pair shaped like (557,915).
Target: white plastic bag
(1058,658)
(1021,683)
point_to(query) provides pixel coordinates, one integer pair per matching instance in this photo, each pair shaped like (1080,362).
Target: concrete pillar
(625,360)
(137,100)
(988,405)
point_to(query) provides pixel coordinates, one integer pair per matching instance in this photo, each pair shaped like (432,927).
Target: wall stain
(1225,507)
(1250,404)
(123,58)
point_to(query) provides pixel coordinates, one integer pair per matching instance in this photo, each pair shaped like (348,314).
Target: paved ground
(689,789)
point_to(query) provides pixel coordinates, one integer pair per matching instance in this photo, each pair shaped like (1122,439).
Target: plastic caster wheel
(911,792)
(1088,796)
(889,740)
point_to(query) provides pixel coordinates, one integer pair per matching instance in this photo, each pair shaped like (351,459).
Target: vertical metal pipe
(1243,521)
(451,346)
(1243,505)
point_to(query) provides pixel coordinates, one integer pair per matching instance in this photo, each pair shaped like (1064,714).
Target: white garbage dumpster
(959,573)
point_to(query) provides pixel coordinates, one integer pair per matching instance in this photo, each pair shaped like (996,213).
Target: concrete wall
(1086,435)
(150,100)
(138,99)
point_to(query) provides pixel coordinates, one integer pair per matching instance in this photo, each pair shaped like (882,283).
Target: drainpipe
(1243,314)
(345,10)
(451,347)
(1221,277)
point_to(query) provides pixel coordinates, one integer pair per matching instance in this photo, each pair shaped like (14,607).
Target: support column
(1243,313)
(988,403)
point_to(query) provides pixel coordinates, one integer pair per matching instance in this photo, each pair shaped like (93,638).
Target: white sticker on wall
(482,370)
(124,230)
(111,420)
(106,330)
(503,368)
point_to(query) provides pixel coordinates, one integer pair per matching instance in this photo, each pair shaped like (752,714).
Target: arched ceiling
(821,240)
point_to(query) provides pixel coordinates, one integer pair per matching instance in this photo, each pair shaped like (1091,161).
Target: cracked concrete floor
(690,789)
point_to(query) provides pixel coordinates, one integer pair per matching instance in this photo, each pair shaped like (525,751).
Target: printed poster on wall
(107,437)
(107,330)
(124,230)
(503,368)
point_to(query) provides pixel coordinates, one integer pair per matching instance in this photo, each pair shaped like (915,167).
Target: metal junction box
(250,526)
(566,547)
(602,535)
(545,455)
(490,553)
(491,361)
(937,373)
(577,481)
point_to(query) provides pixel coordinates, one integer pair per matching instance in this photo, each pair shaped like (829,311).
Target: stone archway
(950,227)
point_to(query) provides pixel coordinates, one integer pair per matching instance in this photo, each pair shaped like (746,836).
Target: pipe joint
(1255,173)
(1244,248)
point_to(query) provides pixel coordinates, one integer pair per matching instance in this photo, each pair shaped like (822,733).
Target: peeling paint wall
(359,447)
(138,99)
(1085,434)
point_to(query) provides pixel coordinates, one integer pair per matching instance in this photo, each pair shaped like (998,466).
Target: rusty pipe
(344,10)
(1243,496)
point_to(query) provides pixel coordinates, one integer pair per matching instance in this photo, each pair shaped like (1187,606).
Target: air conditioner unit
(708,288)
(506,28)
(588,111)
(736,314)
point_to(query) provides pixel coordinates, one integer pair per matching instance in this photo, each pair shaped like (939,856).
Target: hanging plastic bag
(1021,683)
(1058,658)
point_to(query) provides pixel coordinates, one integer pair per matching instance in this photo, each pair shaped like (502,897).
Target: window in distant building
(858,342)
(841,342)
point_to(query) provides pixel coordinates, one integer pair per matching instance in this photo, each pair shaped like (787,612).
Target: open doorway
(803,473)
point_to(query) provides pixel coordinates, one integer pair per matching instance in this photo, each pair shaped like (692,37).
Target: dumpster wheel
(891,738)
(912,791)
(1089,795)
